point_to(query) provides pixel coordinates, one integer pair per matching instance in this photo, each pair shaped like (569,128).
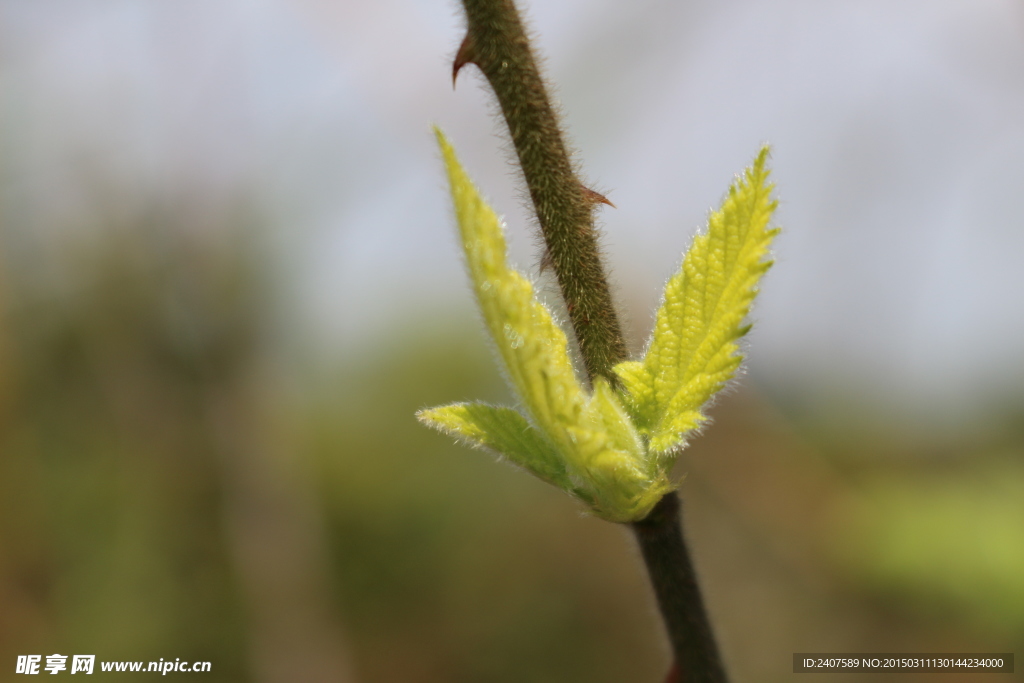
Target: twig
(496,42)
(675,583)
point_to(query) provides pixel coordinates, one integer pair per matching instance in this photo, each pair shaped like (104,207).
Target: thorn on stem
(463,57)
(673,674)
(596,197)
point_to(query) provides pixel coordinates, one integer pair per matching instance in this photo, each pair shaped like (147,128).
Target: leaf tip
(430,417)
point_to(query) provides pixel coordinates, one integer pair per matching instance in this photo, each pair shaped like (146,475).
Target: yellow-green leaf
(504,431)
(693,350)
(531,345)
(623,482)
(611,449)
(638,393)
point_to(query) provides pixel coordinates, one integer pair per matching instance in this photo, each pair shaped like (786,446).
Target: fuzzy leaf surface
(693,351)
(532,347)
(504,431)
(610,448)
(583,442)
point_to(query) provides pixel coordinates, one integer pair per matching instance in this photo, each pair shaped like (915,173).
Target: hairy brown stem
(496,42)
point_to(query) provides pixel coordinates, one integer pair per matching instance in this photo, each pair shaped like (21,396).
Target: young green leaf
(693,351)
(609,448)
(532,347)
(583,443)
(504,431)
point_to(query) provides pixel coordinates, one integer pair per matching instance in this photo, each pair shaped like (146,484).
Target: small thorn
(597,197)
(673,674)
(463,57)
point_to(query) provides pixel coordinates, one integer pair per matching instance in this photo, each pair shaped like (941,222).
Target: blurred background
(229,276)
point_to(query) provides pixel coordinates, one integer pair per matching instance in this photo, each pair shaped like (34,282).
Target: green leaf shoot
(609,447)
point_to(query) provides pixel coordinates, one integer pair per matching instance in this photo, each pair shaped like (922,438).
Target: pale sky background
(897,129)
